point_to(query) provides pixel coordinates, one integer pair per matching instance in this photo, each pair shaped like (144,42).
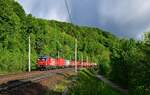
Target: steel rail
(11,85)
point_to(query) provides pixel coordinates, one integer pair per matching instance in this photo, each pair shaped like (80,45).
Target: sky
(124,18)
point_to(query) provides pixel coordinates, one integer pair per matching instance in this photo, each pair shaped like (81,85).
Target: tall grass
(87,84)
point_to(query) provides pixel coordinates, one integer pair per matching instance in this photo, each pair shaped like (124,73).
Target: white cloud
(48,9)
(127,18)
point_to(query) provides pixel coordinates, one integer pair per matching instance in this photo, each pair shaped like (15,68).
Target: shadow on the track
(18,87)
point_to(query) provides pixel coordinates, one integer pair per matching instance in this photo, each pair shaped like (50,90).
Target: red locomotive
(45,62)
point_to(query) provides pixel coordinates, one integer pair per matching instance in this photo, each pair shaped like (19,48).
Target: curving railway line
(10,83)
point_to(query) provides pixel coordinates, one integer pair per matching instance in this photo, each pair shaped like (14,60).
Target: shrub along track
(23,83)
(113,85)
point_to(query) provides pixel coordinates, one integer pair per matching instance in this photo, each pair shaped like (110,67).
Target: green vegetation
(47,38)
(58,88)
(130,66)
(124,61)
(87,84)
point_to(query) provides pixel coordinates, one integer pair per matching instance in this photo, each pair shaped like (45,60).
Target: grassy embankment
(85,83)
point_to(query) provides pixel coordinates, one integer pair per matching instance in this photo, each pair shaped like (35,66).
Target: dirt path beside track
(125,91)
(51,85)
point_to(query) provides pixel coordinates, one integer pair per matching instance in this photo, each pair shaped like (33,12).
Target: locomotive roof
(43,57)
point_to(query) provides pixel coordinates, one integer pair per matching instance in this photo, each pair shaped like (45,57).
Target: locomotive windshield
(42,58)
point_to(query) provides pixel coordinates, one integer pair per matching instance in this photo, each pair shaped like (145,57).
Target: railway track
(6,78)
(12,85)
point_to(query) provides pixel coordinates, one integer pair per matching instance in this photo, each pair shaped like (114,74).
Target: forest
(124,61)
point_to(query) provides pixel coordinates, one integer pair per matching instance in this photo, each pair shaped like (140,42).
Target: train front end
(41,63)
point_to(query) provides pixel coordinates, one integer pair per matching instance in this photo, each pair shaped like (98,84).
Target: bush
(87,84)
(104,69)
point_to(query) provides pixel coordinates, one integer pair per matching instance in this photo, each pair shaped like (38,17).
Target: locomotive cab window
(42,58)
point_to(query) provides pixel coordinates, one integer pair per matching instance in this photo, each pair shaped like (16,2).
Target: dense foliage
(125,61)
(130,65)
(47,38)
(84,85)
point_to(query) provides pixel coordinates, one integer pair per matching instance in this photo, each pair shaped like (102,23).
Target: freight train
(45,63)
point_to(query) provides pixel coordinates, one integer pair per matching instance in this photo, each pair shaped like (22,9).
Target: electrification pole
(29,54)
(70,17)
(75,55)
